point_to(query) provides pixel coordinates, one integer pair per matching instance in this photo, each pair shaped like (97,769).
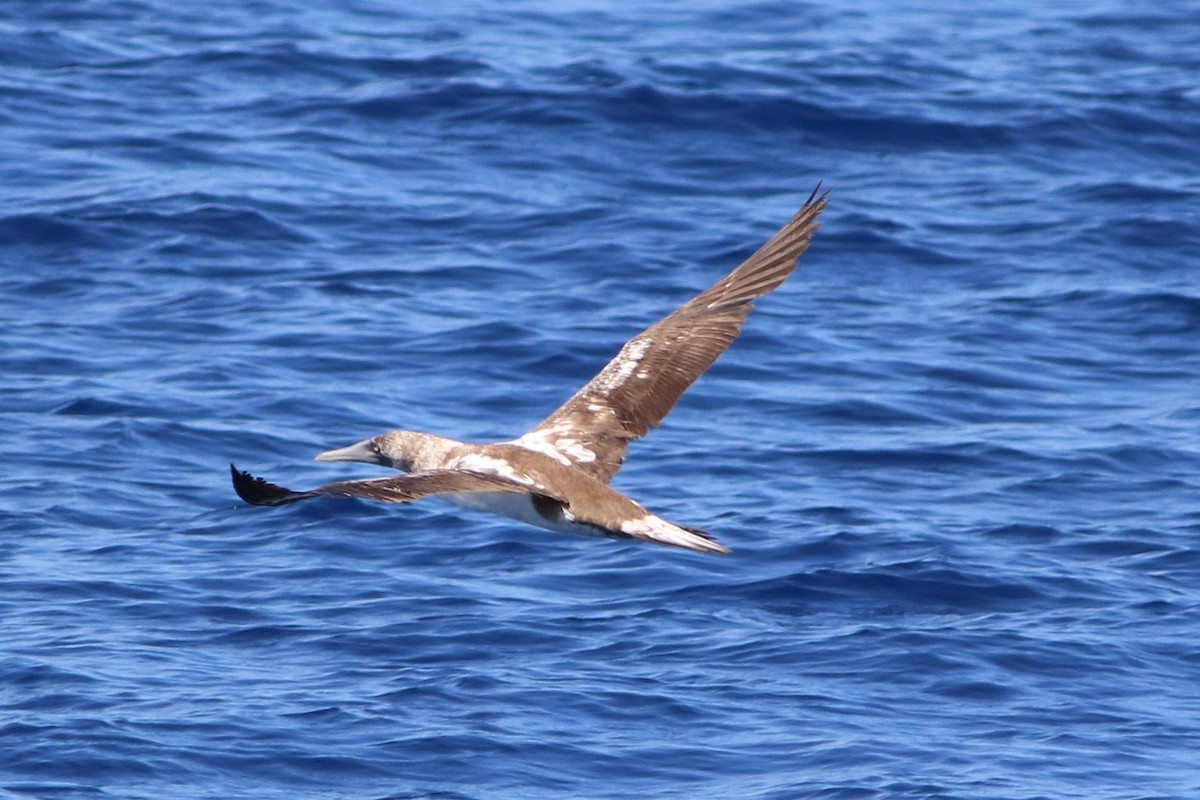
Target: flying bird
(557,475)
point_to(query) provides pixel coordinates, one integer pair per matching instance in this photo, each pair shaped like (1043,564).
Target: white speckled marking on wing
(558,443)
(626,362)
(477,462)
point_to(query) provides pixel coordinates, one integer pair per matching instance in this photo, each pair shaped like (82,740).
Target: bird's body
(556,476)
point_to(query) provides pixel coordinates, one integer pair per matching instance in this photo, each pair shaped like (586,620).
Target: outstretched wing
(640,385)
(392,489)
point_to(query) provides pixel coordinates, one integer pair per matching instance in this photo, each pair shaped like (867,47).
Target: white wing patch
(476,462)
(559,444)
(627,362)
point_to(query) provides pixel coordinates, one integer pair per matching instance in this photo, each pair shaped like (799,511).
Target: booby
(557,475)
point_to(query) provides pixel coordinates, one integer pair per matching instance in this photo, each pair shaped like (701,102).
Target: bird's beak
(364,451)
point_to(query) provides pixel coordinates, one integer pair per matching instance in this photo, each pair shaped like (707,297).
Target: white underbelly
(519,506)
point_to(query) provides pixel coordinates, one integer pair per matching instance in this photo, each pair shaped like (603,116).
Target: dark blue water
(957,455)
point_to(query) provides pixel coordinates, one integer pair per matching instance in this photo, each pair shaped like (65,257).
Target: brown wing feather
(642,383)
(392,489)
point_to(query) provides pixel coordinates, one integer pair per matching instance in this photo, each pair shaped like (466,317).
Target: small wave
(49,230)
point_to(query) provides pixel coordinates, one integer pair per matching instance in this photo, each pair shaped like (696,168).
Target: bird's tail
(657,530)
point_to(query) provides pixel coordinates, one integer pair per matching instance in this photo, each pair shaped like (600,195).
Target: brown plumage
(645,379)
(556,476)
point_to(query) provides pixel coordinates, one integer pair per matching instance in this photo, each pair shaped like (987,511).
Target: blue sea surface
(957,455)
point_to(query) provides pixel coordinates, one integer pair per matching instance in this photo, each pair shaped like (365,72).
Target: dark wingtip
(259,492)
(817,195)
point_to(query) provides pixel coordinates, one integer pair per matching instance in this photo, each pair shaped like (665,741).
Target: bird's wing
(392,489)
(639,386)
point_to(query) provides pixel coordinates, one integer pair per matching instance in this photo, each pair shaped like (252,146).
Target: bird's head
(395,449)
(366,451)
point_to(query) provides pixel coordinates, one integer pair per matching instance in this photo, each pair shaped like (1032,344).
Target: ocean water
(957,455)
